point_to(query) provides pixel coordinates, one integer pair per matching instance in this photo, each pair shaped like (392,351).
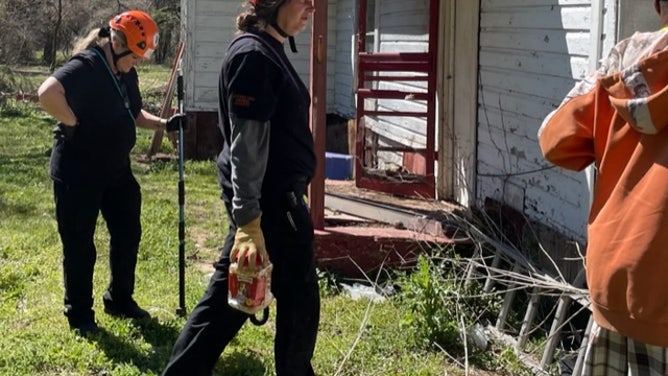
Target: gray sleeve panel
(249,153)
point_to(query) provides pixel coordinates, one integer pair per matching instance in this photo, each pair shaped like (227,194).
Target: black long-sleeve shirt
(264,119)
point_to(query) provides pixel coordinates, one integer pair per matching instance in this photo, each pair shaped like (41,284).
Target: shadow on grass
(18,210)
(239,363)
(158,335)
(162,337)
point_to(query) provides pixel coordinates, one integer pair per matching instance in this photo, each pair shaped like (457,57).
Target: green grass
(34,336)
(356,338)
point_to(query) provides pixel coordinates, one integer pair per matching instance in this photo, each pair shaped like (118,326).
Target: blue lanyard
(120,91)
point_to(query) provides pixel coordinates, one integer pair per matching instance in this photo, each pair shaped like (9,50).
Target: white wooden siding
(344,60)
(209,27)
(332,24)
(635,16)
(531,54)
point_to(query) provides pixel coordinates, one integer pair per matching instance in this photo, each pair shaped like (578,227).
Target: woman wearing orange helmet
(96,100)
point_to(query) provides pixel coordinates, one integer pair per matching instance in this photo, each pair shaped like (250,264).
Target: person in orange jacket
(616,119)
(96,100)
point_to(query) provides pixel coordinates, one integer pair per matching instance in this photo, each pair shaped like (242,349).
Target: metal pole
(181,311)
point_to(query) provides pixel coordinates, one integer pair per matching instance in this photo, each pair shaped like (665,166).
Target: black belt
(297,183)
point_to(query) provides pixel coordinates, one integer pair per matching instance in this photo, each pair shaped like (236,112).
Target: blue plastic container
(338,166)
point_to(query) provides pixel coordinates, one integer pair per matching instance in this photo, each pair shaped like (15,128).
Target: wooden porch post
(318,88)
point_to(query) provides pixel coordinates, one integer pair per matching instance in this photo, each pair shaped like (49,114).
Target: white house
(500,66)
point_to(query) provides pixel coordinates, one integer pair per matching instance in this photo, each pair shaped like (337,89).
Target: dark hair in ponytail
(257,17)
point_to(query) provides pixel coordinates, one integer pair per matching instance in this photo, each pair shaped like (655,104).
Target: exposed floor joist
(397,217)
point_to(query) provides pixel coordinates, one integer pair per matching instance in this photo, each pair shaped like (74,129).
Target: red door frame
(371,63)
(318,120)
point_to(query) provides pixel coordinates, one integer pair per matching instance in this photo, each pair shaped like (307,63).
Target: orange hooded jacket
(616,119)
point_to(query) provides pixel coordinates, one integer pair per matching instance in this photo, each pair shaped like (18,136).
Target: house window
(372,41)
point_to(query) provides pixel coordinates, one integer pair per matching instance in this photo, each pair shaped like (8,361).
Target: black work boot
(85,329)
(127,308)
(81,320)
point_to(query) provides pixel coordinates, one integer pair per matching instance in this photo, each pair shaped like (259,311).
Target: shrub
(442,303)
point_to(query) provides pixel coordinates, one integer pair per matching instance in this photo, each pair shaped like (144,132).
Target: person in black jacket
(95,99)
(265,166)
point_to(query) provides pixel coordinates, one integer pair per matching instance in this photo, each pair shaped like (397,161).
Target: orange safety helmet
(141,32)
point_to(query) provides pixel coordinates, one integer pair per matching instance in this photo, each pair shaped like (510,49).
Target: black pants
(77,209)
(213,323)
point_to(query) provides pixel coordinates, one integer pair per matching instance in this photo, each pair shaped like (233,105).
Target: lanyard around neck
(118,87)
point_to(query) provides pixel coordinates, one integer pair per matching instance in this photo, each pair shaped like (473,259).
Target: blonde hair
(97,37)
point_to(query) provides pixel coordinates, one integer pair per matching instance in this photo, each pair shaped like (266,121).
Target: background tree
(50,54)
(168,18)
(43,31)
(16,32)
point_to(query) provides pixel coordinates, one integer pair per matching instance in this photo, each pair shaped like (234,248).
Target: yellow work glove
(249,250)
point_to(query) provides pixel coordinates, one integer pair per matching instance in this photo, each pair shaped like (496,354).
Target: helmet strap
(115,57)
(105,32)
(274,24)
(291,39)
(293,45)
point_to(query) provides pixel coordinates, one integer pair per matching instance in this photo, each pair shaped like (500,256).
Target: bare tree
(54,40)
(21,42)
(16,32)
